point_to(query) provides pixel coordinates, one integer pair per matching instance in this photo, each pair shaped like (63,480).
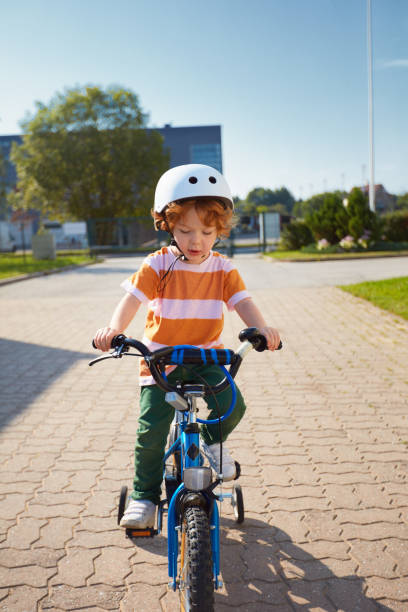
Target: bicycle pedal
(149,532)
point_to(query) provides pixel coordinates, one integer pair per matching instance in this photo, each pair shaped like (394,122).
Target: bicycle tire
(197,586)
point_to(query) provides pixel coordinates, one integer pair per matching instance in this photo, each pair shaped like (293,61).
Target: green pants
(155,419)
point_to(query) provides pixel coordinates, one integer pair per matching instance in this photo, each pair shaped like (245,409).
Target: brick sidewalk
(322,447)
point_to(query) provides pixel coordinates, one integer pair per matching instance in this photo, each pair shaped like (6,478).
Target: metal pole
(23,239)
(262,232)
(371,191)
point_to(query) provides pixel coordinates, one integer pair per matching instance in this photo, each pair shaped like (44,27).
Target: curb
(299,260)
(23,277)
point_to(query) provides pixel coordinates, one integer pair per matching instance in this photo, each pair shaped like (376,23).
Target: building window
(208,154)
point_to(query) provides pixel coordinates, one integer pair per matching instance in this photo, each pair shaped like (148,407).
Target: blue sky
(286,79)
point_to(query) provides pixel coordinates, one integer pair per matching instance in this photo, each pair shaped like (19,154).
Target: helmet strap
(174,243)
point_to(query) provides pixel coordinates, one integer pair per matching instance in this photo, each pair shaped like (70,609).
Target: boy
(184,287)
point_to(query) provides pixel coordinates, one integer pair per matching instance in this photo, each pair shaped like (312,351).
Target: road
(323,450)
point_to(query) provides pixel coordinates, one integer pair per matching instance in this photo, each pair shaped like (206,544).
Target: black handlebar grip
(259,343)
(262,346)
(117,340)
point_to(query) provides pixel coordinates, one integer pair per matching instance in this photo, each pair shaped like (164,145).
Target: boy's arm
(252,317)
(122,316)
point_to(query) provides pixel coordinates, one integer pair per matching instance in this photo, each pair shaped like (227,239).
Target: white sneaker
(139,514)
(212,453)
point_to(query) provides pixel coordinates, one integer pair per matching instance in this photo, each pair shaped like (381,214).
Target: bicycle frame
(199,491)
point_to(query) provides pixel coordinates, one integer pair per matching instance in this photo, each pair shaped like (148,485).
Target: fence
(135,234)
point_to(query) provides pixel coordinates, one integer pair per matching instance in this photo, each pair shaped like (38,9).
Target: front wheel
(196,579)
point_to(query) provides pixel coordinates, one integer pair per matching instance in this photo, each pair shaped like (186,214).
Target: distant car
(7,242)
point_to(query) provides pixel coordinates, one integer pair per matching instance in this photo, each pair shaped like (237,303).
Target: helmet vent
(193,179)
(212,179)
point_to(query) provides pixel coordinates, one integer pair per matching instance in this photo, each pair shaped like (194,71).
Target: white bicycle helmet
(191,181)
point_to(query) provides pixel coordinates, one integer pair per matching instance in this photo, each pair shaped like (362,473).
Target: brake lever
(110,356)
(116,354)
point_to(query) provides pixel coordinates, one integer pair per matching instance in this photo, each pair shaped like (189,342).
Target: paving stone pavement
(323,449)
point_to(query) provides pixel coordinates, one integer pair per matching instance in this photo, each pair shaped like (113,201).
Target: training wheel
(237,502)
(122,503)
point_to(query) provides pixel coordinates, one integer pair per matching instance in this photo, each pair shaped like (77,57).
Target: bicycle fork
(191,458)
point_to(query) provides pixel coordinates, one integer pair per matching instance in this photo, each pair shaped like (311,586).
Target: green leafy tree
(297,210)
(267,198)
(279,208)
(402,202)
(336,217)
(283,196)
(304,208)
(361,219)
(330,220)
(296,235)
(88,155)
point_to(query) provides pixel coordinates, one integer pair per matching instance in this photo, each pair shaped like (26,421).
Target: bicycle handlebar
(186,354)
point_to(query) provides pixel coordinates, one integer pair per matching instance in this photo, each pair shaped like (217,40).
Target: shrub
(323,244)
(295,235)
(347,243)
(337,218)
(362,221)
(395,226)
(314,249)
(330,220)
(389,246)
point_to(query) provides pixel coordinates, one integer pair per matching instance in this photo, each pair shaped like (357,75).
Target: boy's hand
(272,337)
(104,336)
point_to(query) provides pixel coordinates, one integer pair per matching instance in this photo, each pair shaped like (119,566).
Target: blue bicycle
(193,524)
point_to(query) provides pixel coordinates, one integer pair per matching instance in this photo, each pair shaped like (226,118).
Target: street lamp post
(371,191)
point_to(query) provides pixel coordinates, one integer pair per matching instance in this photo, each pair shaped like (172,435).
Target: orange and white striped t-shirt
(190,308)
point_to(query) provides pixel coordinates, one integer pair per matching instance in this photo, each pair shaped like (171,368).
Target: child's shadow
(261,567)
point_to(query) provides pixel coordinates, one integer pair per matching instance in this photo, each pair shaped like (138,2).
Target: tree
(303,208)
(330,220)
(279,208)
(360,218)
(296,235)
(88,155)
(267,198)
(336,217)
(402,202)
(284,196)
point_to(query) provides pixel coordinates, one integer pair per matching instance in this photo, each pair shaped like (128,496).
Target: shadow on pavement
(261,566)
(26,371)
(260,563)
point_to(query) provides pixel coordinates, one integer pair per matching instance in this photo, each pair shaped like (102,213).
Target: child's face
(194,239)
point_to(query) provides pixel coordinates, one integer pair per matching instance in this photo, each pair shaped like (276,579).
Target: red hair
(210,211)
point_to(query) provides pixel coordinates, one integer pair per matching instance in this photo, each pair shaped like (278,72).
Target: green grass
(390,294)
(300,255)
(14,265)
